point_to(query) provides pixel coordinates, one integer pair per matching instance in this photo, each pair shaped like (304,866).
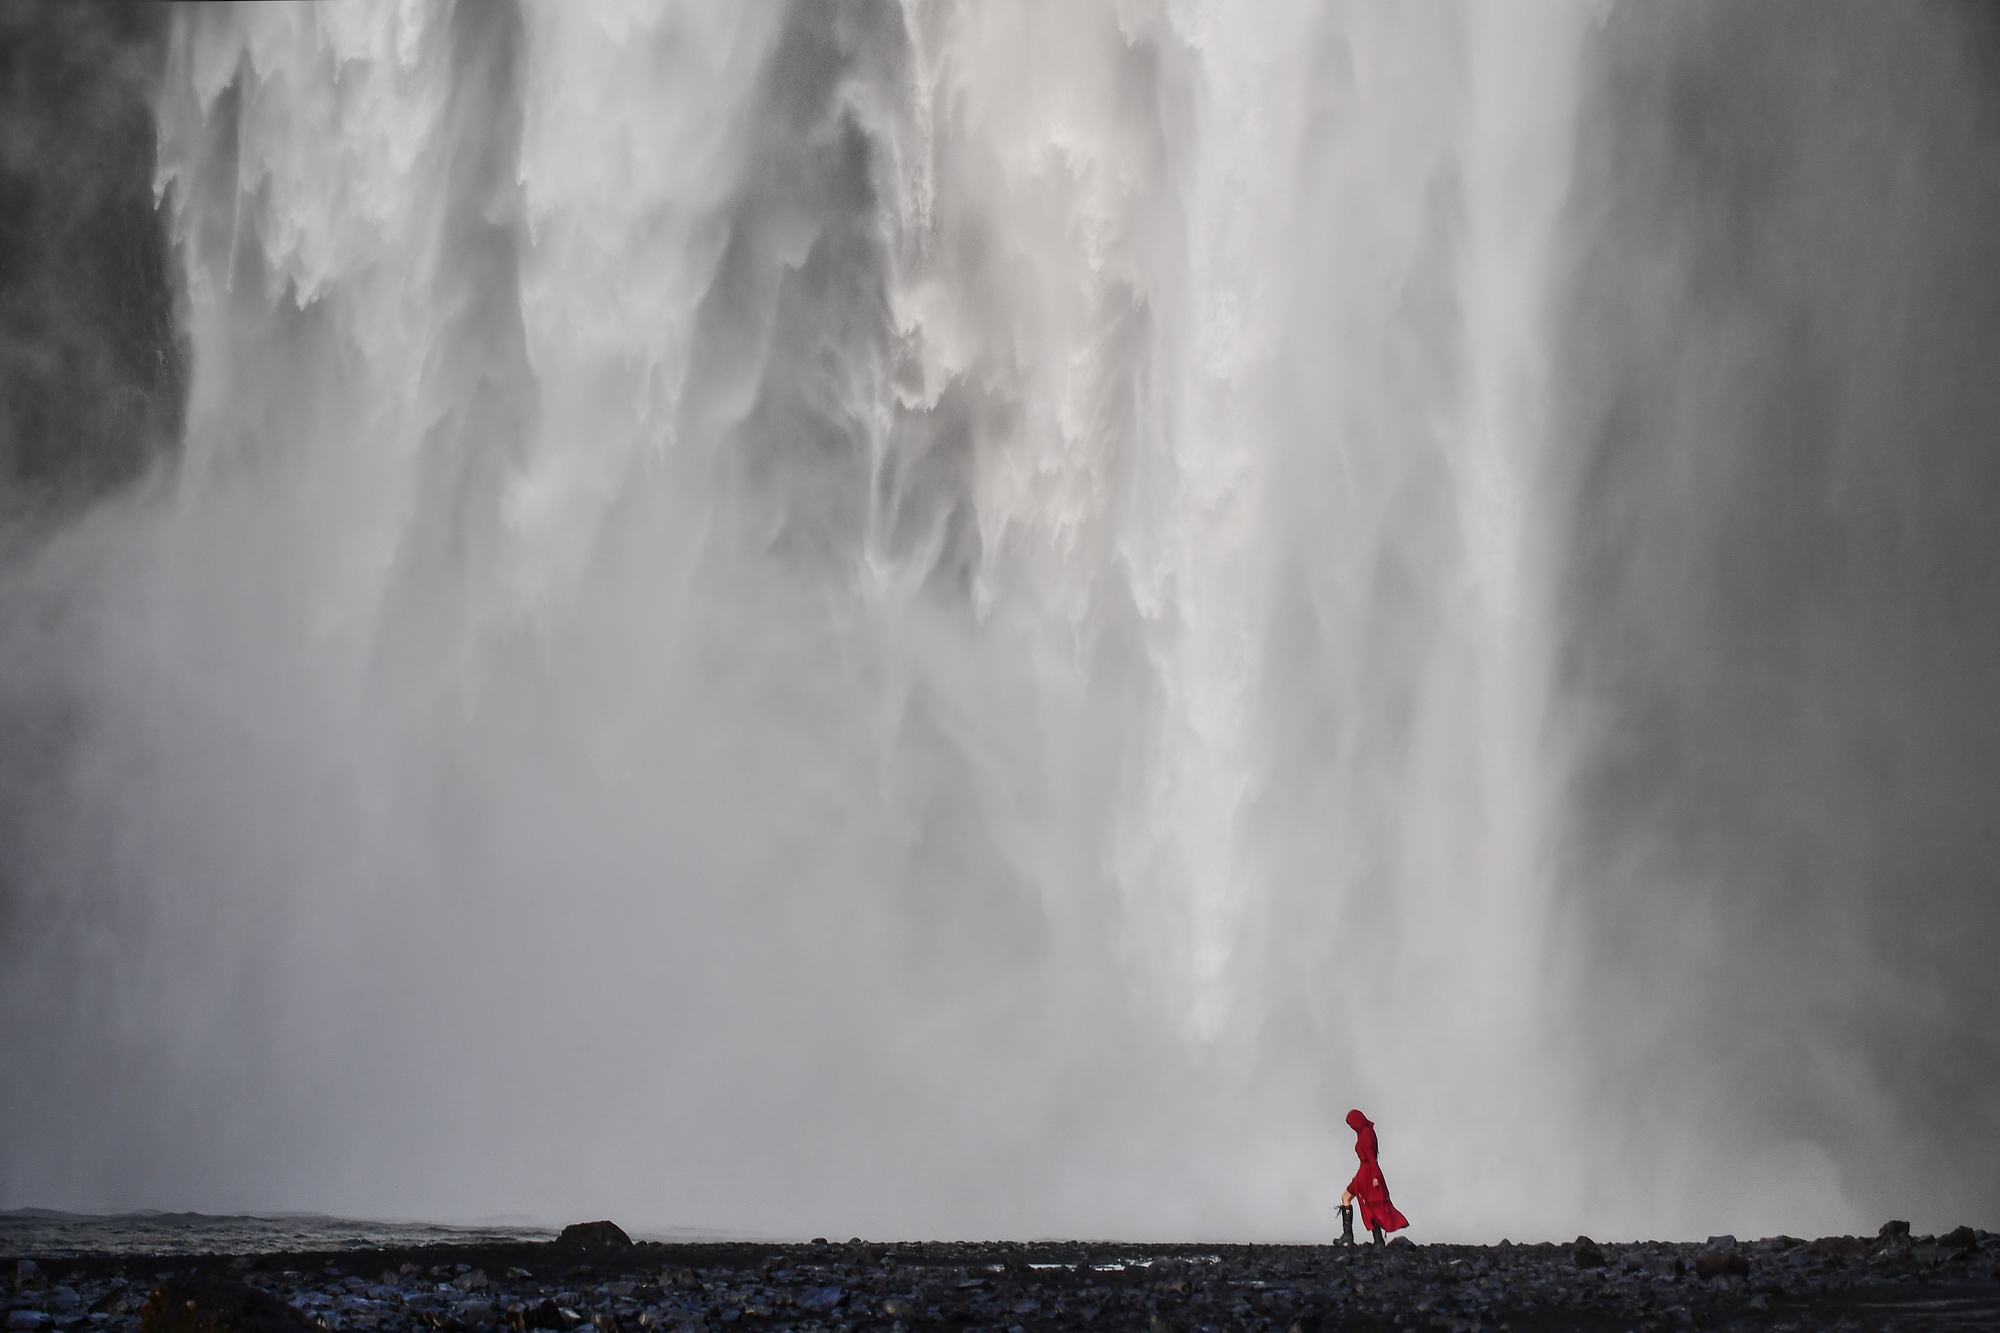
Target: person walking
(1378,1214)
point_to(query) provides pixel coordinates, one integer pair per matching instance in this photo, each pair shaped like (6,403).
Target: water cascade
(832,617)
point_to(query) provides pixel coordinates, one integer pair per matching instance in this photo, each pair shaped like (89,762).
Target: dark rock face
(1779,1284)
(92,373)
(595,1236)
(1779,520)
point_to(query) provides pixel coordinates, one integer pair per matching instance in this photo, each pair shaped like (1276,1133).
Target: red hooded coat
(1368,1187)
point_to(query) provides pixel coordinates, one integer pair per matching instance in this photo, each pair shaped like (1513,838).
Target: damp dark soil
(595,1276)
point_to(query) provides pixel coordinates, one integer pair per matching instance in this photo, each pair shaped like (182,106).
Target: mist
(1780,585)
(971,620)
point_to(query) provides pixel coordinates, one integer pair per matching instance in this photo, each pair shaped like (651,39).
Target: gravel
(1891,1282)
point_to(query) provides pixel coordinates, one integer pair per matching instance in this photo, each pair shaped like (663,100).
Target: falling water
(831,617)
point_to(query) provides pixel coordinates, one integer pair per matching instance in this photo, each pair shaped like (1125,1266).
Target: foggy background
(950,620)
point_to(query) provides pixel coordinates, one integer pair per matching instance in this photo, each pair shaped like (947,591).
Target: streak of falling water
(829,617)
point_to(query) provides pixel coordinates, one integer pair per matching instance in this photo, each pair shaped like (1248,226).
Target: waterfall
(906,619)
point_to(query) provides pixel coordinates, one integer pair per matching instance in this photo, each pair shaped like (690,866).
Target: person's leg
(1347,1224)
(1379,1242)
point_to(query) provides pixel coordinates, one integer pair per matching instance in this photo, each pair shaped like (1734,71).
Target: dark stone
(1960,1238)
(595,1236)
(28,1276)
(818,1299)
(1586,1254)
(1894,1233)
(546,1315)
(1839,1247)
(1721,1263)
(199,1304)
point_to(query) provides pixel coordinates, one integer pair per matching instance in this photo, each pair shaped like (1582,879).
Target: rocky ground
(1887,1283)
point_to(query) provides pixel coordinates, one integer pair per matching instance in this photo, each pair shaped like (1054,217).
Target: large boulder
(594,1236)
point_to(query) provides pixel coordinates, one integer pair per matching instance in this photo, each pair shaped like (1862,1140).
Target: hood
(1357,1121)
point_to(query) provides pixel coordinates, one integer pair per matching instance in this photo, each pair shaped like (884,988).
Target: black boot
(1379,1242)
(1347,1224)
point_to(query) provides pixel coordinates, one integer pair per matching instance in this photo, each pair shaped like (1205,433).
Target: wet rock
(474,1280)
(594,1236)
(1840,1247)
(818,1299)
(1586,1254)
(1960,1238)
(1894,1233)
(19,1321)
(1720,1263)
(216,1305)
(545,1315)
(478,1314)
(28,1276)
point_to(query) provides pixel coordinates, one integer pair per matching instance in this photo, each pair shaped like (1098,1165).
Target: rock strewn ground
(1879,1285)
